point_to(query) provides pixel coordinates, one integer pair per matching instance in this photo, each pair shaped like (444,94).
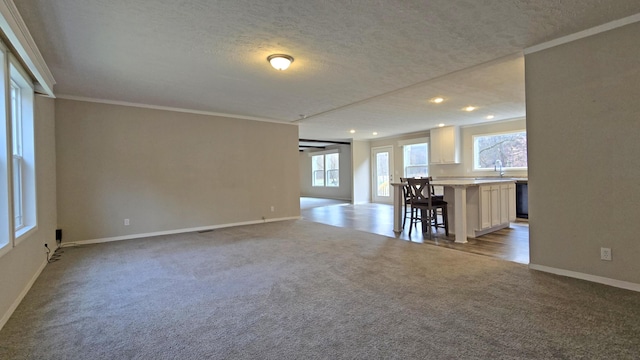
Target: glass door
(382,174)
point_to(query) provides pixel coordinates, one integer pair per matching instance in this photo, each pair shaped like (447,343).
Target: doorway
(382,174)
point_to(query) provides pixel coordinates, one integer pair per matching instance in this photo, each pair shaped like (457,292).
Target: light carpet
(301,290)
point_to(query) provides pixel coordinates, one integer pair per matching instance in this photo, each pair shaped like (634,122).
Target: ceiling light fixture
(352,131)
(469,108)
(375,133)
(440,125)
(437,100)
(490,117)
(280,61)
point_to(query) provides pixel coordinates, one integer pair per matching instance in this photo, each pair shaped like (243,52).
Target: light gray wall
(342,192)
(20,266)
(167,171)
(361,160)
(583,121)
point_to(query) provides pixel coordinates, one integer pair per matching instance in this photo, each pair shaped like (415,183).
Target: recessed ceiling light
(440,125)
(280,61)
(437,100)
(490,117)
(352,131)
(469,108)
(375,133)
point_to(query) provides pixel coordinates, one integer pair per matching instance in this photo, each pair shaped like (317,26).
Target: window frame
(7,233)
(404,160)
(325,170)
(474,152)
(314,170)
(410,142)
(21,122)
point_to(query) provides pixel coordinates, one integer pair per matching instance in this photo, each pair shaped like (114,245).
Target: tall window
(317,170)
(325,170)
(510,148)
(23,149)
(416,160)
(5,155)
(18,218)
(16,129)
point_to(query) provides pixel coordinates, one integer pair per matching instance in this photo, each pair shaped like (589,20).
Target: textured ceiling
(370,65)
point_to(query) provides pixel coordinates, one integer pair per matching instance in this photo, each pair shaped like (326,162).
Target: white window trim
(29,186)
(6,220)
(473,151)
(403,143)
(324,153)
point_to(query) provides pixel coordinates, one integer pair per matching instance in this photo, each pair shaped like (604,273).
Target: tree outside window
(325,170)
(509,148)
(416,160)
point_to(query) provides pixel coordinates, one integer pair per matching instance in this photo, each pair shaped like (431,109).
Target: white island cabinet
(445,147)
(496,207)
(475,206)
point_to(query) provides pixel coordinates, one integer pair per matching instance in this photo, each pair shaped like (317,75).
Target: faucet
(498,167)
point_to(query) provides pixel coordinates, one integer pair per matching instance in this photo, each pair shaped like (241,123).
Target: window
(18,215)
(23,150)
(5,211)
(325,170)
(317,170)
(16,129)
(510,148)
(416,160)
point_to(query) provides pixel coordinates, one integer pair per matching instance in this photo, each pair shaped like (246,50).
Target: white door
(382,174)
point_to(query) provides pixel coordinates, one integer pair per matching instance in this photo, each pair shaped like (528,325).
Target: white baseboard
(593,278)
(176,231)
(23,293)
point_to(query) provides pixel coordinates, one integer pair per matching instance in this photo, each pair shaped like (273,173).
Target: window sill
(24,233)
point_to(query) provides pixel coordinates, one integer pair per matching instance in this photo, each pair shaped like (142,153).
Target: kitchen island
(478,206)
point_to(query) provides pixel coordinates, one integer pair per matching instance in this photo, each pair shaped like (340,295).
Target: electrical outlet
(605,254)
(126,222)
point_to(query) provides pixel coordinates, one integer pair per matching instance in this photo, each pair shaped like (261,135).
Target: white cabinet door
(495,205)
(512,202)
(504,203)
(445,145)
(485,207)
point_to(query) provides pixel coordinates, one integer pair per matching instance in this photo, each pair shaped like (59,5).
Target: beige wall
(361,165)
(167,171)
(583,121)
(342,192)
(20,266)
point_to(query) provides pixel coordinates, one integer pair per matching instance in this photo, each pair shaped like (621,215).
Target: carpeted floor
(301,290)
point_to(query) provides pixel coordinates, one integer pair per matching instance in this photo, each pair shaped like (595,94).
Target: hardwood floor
(510,244)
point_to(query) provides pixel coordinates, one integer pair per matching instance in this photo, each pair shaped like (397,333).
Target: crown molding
(16,32)
(583,34)
(168,108)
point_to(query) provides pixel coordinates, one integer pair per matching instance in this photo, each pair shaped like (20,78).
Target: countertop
(470,182)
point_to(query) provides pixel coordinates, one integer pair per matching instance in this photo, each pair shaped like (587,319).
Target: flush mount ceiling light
(469,108)
(280,61)
(490,117)
(437,100)
(352,131)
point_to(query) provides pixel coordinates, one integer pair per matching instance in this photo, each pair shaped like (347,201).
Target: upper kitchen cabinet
(445,145)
